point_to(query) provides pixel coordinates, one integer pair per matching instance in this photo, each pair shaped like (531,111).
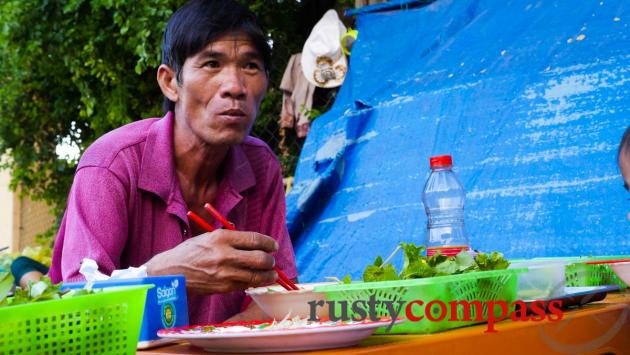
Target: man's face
(624,165)
(221,89)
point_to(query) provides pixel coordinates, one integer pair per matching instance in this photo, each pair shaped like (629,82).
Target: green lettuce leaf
(494,261)
(380,272)
(6,283)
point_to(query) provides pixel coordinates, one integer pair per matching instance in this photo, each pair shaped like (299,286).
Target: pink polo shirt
(125,206)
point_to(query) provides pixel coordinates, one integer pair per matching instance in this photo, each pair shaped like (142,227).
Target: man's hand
(220,261)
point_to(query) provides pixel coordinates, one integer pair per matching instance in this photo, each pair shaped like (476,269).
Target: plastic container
(106,322)
(581,274)
(578,274)
(475,286)
(278,302)
(443,198)
(165,305)
(543,279)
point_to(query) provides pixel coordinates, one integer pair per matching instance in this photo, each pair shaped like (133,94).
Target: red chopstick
(227,224)
(281,282)
(608,261)
(195,218)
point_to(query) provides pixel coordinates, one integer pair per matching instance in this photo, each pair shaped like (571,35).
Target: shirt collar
(238,172)
(157,170)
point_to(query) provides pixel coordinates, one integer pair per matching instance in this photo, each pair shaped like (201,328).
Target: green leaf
(464,261)
(346,279)
(436,259)
(43,290)
(447,267)
(417,265)
(378,261)
(6,283)
(494,261)
(38,289)
(376,273)
(417,270)
(412,253)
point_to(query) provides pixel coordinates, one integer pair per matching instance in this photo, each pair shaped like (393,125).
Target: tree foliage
(73,70)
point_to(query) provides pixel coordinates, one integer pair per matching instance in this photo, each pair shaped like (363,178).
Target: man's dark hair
(200,22)
(624,146)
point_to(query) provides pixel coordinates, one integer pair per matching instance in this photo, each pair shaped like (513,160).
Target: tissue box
(165,305)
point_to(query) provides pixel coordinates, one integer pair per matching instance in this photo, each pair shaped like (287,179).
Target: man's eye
(212,64)
(252,66)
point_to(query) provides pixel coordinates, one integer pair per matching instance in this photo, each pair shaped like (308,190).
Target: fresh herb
(6,283)
(416,265)
(42,290)
(495,261)
(380,272)
(346,279)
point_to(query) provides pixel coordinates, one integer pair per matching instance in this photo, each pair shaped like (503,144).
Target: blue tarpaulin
(529,97)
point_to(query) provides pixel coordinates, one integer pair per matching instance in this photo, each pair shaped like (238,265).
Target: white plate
(278,340)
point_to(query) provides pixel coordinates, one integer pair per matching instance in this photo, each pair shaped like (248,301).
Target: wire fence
(284,141)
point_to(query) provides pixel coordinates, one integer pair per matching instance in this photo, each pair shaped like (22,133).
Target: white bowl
(622,270)
(278,302)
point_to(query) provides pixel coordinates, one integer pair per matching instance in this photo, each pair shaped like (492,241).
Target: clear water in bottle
(443,199)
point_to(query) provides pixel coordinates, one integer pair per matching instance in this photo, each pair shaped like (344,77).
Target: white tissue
(130,273)
(89,269)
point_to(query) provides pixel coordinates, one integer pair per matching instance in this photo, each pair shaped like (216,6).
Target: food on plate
(262,326)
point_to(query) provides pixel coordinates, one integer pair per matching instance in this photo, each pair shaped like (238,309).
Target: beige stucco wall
(30,219)
(21,219)
(6,211)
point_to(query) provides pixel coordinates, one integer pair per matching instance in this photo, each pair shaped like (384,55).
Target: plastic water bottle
(443,199)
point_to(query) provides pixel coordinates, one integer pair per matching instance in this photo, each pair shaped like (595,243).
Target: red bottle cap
(441,161)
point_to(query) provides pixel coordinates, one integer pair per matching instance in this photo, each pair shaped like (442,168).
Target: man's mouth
(235,113)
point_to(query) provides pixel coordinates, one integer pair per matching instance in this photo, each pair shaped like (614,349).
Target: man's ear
(167,79)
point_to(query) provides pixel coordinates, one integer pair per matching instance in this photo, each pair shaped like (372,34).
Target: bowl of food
(279,303)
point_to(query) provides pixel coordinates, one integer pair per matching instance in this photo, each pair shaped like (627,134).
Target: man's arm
(94,226)
(220,261)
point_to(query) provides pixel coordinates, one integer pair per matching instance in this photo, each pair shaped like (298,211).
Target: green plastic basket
(476,286)
(106,322)
(579,274)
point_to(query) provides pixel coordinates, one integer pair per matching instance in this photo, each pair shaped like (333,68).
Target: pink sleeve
(95,224)
(273,221)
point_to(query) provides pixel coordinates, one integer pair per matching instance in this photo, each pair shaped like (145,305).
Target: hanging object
(323,61)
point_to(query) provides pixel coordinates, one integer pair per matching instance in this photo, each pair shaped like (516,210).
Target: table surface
(598,328)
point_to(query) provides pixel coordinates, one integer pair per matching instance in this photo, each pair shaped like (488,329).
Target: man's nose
(233,85)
